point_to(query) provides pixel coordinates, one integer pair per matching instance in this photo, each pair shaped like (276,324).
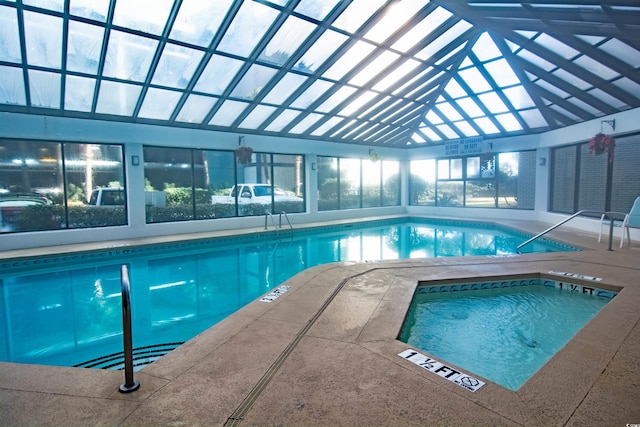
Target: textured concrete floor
(325,353)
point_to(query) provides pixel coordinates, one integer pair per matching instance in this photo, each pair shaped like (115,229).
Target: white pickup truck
(255,193)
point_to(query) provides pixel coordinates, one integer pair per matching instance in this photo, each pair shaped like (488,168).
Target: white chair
(631,220)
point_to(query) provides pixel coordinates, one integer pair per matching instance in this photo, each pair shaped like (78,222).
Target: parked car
(13,204)
(114,196)
(256,193)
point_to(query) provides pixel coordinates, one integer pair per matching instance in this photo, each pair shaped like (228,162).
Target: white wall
(134,136)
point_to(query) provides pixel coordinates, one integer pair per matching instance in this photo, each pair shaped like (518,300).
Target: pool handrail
(130,384)
(285,217)
(268,214)
(553,227)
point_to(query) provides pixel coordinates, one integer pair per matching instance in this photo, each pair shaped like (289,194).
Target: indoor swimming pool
(66,309)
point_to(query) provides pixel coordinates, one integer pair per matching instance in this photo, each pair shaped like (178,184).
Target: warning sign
(442,370)
(275,294)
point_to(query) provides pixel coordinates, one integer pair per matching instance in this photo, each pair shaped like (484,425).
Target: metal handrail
(268,214)
(130,383)
(553,227)
(285,217)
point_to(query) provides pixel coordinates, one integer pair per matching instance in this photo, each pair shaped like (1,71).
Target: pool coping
(206,380)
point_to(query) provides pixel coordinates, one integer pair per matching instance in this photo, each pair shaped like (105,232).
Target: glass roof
(397,73)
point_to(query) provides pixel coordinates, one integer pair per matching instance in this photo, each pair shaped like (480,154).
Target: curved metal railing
(553,227)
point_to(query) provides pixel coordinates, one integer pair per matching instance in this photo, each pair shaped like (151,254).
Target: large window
(51,185)
(184,184)
(503,180)
(346,183)
(581,180)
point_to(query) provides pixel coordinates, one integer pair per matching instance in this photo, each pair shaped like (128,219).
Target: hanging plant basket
(601,144)
(243,154)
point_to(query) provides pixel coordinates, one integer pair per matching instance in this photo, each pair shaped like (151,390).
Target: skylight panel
(228,113)
(176,66)
(356,14)
(466,128)
(283,120)
(486,125)
(91,9)
(286,41)
(44,88)
(149,16)
(10,45)
(398,73)
(253,81)
(564,112)
(394,18)
(78,93)
(324,128)
(475,80)
(572,79)
(257,117)
(418,138)
(382,100)
(431,134)
(117,98)
(357,103)
(218,74)
(374,68)
(444,41)
(592,40)
(84,45)
(448,111)
(306,123)
(551,88)
(509,122)
(43,36)
(249,25)
(445,58)
(556,46)
(159,104)
(454,89)
(12,89)
(196,108)
(533,118)
(519,97)
(622,51)
(411,80)
(198,21)
(502,73)
(448,132)
(316,9)
(322,49)
(433,118)
(422,29)
(312,93)
(584,106)
(595,67)
(387,110)
(129,56)
(493,103)
(349,60)
(57,5)
(284,88)
(628,85)
(470,107)
(605,97)
(536,60)
(335,99)
(485,49)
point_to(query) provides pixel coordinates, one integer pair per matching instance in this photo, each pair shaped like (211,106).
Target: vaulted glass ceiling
(397,73)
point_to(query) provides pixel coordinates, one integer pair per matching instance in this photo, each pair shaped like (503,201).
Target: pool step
(142,356)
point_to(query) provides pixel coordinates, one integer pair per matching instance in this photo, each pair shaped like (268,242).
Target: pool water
(66,310)
(504,334)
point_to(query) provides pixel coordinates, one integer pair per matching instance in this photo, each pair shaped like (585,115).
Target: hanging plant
(601,144)
(243,154)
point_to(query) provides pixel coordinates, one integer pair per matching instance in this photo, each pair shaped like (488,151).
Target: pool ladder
(268,215)
(130,384)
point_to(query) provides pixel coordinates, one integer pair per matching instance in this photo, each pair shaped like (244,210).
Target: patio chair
(631,220)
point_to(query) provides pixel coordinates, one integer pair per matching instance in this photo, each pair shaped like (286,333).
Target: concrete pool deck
(325,353)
